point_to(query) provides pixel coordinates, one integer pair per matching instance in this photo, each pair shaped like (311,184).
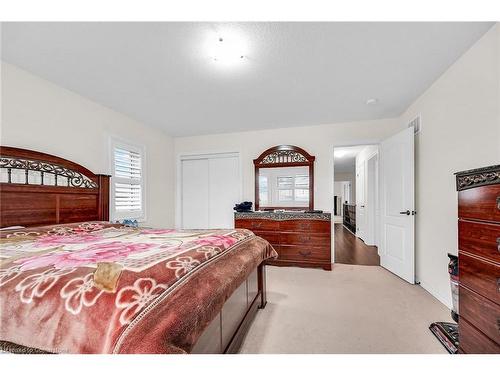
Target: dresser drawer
(481,313)
(303,253)
(316,226)
(257,224)
(482,203)
(272,237)
(481,276)
(304,239)
(482,239)
(474,342)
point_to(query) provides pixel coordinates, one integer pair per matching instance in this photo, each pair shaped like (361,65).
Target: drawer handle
(256,225)
(305,239)
(305,253)
(498,284)
(304,225)
(498,244)
(498,202)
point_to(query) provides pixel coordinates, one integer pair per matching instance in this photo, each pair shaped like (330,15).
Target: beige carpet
(352,309)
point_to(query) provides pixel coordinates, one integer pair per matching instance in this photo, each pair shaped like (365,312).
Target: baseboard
(350,231)
(444,300)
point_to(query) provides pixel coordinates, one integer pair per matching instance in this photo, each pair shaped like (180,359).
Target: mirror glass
(284,187)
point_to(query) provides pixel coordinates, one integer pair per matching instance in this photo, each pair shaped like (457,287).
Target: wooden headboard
(42,189)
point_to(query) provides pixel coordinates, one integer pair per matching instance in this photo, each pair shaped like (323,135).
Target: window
(128,181)
(293,188)
(285,188)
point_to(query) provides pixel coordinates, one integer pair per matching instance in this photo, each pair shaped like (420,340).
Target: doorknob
(407,212)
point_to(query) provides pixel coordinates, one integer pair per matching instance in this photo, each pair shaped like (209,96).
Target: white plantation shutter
(127,182)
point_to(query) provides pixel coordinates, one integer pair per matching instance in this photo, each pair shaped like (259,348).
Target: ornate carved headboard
(42,189)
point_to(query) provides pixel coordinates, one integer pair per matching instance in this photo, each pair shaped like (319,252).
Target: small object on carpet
(447,334)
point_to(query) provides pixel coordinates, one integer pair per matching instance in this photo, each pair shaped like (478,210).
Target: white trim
(217,155)
(113,142)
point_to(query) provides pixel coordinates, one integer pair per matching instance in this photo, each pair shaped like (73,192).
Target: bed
(71,282)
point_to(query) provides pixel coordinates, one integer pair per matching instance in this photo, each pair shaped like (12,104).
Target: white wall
(460,130)
(44,117)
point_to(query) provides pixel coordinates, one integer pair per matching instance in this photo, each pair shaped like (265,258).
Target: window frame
(299,187)
(291,187)
(140,216)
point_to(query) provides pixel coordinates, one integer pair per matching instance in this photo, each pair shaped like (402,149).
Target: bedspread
(105,288)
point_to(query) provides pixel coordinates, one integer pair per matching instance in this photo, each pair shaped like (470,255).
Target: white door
(397,220)
(361,200)
(210,187)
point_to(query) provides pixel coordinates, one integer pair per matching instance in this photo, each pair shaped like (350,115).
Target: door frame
(199,155)
(373,211)
(341,145)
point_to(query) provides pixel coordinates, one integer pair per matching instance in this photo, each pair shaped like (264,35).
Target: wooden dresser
(301,239)
(479,260)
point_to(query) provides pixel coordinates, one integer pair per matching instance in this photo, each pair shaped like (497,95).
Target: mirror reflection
(284,187)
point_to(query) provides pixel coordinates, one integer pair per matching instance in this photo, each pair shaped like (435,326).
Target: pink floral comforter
(102,288)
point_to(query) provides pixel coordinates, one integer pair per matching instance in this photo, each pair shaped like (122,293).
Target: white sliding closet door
(195,206)
(223,190)
(210,187)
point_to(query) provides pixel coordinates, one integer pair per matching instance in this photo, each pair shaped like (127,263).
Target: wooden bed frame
(41,189)
(74,195)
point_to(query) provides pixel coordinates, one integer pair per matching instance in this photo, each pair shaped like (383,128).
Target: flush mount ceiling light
(227,48)
(372,101)
(227,51)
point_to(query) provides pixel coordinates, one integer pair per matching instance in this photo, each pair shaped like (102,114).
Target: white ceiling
(294,74)
(347,162)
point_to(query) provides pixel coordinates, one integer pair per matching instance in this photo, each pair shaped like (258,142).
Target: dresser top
(289,215)
(478,177)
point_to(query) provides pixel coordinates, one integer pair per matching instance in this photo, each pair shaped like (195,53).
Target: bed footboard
(226,332)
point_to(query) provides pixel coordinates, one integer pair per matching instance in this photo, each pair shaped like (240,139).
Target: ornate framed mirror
(284,179)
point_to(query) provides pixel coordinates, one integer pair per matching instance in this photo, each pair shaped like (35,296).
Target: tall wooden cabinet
(479,260)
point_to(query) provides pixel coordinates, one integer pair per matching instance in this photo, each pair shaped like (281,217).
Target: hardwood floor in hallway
(349,249)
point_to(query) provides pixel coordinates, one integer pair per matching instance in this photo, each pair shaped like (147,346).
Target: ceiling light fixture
(372,101)
(227,48)
(227,51)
